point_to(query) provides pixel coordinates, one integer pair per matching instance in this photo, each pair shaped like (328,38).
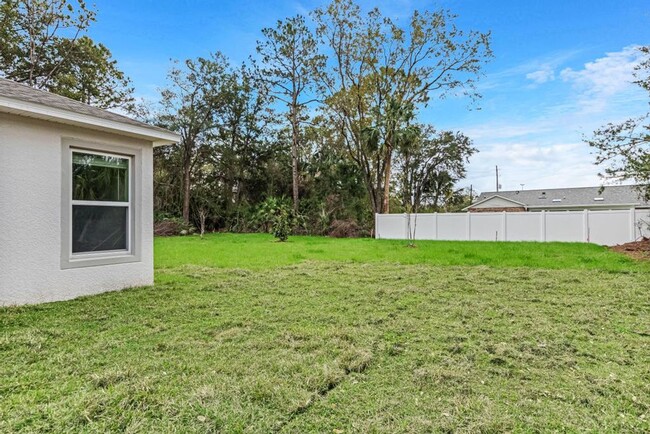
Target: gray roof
(611,195)
(20,92)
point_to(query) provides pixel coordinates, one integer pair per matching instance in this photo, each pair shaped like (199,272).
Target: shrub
(269,210)
(281,227)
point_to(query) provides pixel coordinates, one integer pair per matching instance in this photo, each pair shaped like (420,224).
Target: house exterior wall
(30,215)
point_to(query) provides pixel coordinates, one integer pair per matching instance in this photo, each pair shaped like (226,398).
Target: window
(101,202)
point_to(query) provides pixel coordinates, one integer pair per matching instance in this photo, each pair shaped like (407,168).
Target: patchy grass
(227,342)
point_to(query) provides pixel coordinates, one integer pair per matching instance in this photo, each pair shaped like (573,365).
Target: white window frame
(128,204)
(104,257)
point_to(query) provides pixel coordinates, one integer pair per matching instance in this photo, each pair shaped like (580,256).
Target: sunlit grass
(258,251)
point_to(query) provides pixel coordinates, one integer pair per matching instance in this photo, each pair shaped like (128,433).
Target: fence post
(376,226)
(469,226)
(435,222)
(632,224)
(504,227)
(407,221)
(543,226)
(585,225)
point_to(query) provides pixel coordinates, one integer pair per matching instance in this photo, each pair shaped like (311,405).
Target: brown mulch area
(637,249)
(166,228)
(345,229)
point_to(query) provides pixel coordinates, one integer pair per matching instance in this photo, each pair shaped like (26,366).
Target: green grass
(241,334)
(261,251)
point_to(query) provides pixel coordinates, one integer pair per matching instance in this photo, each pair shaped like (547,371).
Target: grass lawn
(243,334)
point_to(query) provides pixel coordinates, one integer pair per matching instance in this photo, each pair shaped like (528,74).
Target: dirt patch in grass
(637,249)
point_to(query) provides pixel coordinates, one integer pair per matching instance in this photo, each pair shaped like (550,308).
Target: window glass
(99,228)
(100,177)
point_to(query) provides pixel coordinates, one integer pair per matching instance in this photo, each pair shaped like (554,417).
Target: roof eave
(39,111)
(492,197)
(593,205)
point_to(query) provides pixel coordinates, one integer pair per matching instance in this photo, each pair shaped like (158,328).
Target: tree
(91,76)
(334,189)
(430,166)
(430,163)
(251,162)
(190,104)
(239,160)
(625,148)
(41,45)
(378,68)
(289,59)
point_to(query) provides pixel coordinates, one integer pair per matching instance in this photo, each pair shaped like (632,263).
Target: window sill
(97,260)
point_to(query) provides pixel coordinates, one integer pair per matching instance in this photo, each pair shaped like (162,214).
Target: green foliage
(281,227)
(624,148)
(250,133)
(430,165)
(289,64)
(276,215)
(268,211)
(383,73)
(90,75)
(41,45)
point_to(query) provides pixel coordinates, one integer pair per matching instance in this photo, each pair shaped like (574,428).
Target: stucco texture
(30,215)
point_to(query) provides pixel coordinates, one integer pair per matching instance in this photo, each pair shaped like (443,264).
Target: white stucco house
(76,206)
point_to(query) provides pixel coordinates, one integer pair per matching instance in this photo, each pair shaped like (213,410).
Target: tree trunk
(294,169)
(386,202)
(295,133)
(186,185)
(202,216)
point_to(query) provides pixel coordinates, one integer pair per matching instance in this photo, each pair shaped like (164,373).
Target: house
(76,193)
(613,197)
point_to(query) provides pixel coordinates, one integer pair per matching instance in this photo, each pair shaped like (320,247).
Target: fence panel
(390,226)
(486,226)
(600,227)
(452,227)
(565,226)
(524,226)
(423,226)
(642,224)
(609,227)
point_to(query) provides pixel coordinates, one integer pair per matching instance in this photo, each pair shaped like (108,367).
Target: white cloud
(606,79)
(534,165)
(500,130)
(538,140)
(540,68)
(542,75)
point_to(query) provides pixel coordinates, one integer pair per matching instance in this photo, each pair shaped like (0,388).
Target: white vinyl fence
(600,227)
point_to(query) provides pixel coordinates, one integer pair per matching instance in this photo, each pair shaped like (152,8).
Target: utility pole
(471,193)
(497,172)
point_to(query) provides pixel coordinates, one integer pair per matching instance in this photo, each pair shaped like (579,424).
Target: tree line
(322,124)
(324,120)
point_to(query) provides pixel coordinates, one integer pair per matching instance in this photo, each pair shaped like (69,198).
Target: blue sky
(561,69)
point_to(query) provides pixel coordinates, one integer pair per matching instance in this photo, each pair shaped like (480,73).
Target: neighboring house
(76,205)
(560,199)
